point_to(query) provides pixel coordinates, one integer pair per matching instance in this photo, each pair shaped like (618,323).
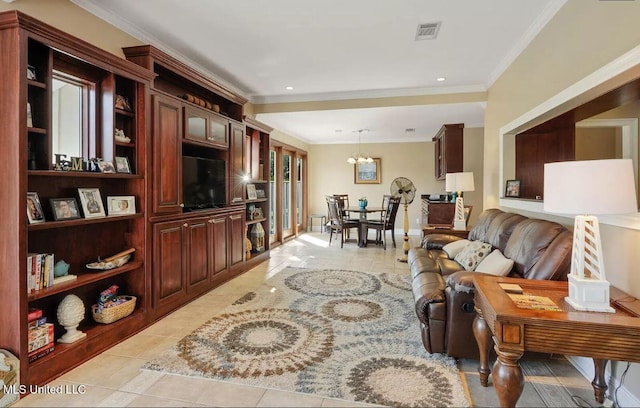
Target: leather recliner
(443,290)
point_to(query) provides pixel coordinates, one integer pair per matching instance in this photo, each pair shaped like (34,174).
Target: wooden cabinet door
(236,238)
(218,131)
(441,213)
(169,265)
(167,156)
(219,262)
(197,255)
(196,124)
(236,170)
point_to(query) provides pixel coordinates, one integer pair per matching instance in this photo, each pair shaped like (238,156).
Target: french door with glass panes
(288,191)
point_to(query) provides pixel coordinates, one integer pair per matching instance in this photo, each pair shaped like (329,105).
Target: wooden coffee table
(514,330)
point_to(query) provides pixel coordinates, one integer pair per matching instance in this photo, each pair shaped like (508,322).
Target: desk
(601,336)
(440,229)
(363,231)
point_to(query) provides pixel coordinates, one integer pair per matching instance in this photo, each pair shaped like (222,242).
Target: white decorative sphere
(70,311)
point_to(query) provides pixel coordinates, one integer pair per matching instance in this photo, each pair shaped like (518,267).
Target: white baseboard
(625,398)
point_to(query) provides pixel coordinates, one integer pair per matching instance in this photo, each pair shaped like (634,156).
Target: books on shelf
(39,337)
(39,271)
(63,279)
(41,352)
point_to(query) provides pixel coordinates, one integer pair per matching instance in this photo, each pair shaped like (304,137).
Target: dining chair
(343,203)
(337,223)
(386,223)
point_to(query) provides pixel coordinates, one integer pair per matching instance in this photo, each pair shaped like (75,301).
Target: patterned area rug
(334,333)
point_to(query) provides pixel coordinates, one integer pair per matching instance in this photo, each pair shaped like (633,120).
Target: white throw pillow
(453,248)
(472,254)
(495,264)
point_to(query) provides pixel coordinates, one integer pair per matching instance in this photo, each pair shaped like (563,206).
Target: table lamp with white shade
(457,183)
(589,188)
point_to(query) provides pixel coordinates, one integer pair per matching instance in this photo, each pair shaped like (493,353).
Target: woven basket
(111,314)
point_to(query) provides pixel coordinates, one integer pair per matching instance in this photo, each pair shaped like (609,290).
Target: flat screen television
(203,183)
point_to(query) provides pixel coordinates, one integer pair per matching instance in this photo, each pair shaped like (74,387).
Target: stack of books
(39,271)
(40,334)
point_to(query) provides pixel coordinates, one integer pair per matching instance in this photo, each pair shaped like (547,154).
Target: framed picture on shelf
(29,116)
(64,208)
(106,166)
(91,202)
(122,165)
(260,194)
(367,173)
(512,189)
(123,103)
(120,205)
(34,209)
(251,192)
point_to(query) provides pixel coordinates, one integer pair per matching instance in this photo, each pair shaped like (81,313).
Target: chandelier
(359,157)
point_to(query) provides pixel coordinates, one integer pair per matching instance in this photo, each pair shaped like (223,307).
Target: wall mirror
(73,112)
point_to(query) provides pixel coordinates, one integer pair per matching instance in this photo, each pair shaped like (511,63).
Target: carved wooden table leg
(507,377)
(599,384)
(483,337)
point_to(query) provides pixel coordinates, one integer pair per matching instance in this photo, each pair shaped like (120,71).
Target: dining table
(363,230)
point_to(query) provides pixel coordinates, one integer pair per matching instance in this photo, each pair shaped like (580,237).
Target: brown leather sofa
(443,290)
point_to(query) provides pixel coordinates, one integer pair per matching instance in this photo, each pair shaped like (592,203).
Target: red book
(34,314)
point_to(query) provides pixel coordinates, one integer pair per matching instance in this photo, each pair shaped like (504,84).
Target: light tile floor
(114,378)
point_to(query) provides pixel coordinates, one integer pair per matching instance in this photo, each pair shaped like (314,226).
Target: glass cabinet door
(218,131)
(195,125)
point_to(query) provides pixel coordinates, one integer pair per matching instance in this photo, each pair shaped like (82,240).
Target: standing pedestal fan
(404,189)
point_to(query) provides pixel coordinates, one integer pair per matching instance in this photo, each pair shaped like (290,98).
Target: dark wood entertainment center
(172,111)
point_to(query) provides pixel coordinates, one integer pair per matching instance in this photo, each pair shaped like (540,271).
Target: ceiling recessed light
(440,79)
(289,88)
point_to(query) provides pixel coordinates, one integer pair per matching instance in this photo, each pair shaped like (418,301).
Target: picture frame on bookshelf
(34,209)
(91,202)
(64,208)
(122,102)
(106,166)
(251,192)
(260,193)
(512,188)
(121,205)
(122,165)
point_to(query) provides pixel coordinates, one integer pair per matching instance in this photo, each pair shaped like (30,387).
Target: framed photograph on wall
(91,202)
(34,209)
(251,192)
(512,189)
(121,205)
(64,208)
(367,173)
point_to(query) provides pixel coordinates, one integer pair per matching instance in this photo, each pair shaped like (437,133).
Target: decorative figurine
(70,313)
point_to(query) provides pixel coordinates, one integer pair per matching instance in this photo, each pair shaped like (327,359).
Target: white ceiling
(341,49)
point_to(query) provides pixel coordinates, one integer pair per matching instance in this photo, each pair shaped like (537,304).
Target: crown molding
(129,28)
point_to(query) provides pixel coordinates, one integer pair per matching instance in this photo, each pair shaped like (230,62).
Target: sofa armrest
(437,241)
(428,288)
(462,281)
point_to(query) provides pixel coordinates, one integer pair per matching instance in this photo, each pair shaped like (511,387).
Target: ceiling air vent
(427,31)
